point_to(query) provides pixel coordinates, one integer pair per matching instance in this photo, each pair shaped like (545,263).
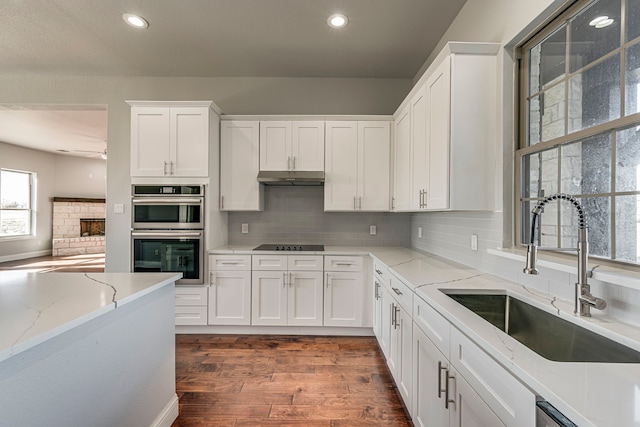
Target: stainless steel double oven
(167,233)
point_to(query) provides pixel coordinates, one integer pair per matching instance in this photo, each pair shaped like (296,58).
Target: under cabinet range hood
(291,177)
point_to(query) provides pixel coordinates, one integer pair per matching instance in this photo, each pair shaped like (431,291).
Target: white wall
(80,177)
(57,175)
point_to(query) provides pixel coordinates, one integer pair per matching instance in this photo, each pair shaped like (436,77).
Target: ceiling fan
(101,154)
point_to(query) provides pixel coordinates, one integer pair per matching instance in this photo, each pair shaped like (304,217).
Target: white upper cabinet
(357,166)
(445,133)
(239,163)
(291,146)
(170,141)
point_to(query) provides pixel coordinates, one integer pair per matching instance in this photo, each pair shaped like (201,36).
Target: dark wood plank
(245,380)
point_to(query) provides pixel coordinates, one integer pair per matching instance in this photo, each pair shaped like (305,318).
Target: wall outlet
(474,242)
(245,228)
(372,230)
(419,232)
(118,208)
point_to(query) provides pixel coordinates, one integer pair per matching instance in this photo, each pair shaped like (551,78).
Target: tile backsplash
(448,234)
(296,215)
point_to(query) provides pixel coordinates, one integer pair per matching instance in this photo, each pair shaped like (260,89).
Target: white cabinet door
(343,296)
(304,298)
(402,165)
(470,410)
(230,298)
(170,141)
(374,146)
(307,146)
(150,134)
(385,321)
(428,389)
(275,146)
(438,130)
(269,298)
(404,372)
(189,142)
(239,164)
(341,168)
(377,311)
(420,152)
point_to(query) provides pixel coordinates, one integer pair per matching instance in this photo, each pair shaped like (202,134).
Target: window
(580,128)
(16,203)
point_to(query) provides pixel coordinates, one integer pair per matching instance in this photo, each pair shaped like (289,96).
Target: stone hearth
(78,226)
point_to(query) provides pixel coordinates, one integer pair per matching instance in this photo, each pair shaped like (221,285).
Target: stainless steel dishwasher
(548,416)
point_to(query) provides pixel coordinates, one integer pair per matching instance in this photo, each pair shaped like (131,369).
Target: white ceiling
(211,38)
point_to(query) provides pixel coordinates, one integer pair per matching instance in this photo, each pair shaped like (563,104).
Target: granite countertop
(35,307)
(328,250)
(599,394)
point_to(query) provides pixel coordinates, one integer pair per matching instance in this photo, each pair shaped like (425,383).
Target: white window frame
(31,232)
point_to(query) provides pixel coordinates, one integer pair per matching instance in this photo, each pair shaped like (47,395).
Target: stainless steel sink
(548,335)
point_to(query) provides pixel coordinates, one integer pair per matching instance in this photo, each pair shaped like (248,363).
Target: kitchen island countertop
(35,307)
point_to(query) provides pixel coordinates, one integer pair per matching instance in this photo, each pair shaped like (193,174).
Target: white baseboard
(168,414)
(275,330)
(26,255)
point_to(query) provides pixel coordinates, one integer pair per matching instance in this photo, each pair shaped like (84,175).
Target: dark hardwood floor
(225,380)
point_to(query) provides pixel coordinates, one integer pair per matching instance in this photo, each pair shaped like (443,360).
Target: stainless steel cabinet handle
(171,167)
(378,271)
(397,311)
(447,401)
(360,203)
(377,286)
(290,278)
(284,279)
(212,277)
(354,203)
(425,199)
(289,163)
(164,168)
(230,262)
(294,162)
(440,369)
(221,202)
(344,264)
(393,203)
(327,280)
(397,291)
(393,319)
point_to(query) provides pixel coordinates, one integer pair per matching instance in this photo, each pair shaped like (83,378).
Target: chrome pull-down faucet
(583,300)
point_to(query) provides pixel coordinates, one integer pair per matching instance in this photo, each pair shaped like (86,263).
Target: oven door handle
(166,234)
(167,201)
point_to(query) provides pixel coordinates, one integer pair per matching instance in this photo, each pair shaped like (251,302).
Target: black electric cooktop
(297,248)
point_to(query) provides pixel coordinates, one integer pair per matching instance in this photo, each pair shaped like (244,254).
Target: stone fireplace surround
(67,214)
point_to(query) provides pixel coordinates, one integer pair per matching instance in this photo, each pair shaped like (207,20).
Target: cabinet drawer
(187,295)
(191,315)
(403,294)
(343,263)
(432,324)
(268,262)
(305,262)
(381,271)
(229,262)
(508,398)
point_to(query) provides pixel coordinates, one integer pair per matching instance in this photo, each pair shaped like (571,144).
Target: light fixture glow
(604,23)
(135,20)
(601,21)
(337,21)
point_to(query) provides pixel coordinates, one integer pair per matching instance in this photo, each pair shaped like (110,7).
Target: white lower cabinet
(344,291)
(230,290)
(457,384)
(191,305)
(286,291)
(444,378)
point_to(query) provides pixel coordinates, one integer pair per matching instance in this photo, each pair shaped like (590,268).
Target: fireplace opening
(92,227)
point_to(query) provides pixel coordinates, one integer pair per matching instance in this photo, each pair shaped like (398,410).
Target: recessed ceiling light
(337,21)
(135,20)
(601,21)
